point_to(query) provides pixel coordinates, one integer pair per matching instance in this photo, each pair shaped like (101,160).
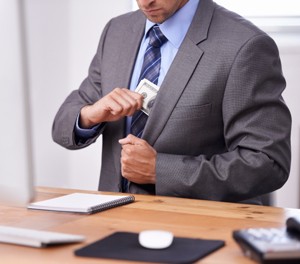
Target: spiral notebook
(84,203)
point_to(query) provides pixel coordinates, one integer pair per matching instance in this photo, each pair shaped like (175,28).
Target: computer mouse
(155,239)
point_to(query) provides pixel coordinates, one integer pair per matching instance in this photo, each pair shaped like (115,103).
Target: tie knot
(156,37)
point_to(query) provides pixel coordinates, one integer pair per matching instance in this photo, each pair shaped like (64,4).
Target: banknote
(149,91)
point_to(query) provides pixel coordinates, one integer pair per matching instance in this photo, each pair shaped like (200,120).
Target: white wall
(62,38)
(289,47)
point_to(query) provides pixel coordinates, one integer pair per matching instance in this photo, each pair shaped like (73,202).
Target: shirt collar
(176,27)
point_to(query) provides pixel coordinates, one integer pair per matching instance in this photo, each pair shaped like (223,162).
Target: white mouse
(155,239)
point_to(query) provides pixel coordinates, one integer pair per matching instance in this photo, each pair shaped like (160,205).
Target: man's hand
(138,160)
(115,105)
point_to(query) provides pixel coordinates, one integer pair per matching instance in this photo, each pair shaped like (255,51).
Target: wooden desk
(183,217)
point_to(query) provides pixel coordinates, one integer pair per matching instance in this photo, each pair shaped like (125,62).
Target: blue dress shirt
(175,29)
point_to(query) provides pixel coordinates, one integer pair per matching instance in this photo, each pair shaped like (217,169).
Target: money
(149,91)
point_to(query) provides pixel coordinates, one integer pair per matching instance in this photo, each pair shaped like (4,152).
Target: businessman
(219,128)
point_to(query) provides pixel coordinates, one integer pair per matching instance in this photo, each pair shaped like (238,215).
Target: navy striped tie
(150,70)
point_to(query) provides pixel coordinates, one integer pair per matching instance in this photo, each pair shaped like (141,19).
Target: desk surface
(183,217)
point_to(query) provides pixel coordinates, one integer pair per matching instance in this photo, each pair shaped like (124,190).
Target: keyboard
(36,238)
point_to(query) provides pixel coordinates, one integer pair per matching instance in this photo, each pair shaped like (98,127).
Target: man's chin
(153,19)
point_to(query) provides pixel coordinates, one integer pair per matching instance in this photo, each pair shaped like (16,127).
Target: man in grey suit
(219,128)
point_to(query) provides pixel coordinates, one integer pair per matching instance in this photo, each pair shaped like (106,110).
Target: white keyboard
(35,238)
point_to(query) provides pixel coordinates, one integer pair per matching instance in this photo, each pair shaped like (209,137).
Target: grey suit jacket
(219,124)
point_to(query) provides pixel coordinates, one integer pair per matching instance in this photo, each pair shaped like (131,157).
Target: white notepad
(85,203)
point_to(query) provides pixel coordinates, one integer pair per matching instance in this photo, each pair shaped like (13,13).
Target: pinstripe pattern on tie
(150,70)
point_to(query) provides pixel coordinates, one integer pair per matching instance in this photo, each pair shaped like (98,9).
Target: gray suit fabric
(219,124)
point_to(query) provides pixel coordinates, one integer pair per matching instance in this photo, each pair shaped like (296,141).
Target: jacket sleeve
(257,126)
(89,92)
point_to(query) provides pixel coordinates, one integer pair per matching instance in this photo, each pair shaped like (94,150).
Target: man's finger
(131,139)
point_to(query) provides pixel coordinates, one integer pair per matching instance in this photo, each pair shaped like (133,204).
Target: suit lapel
(133,40)
(126,62)
(180,72)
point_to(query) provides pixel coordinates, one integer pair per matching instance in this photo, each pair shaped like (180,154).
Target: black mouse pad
(125,246)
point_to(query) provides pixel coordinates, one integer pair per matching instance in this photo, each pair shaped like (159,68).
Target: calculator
(271,245)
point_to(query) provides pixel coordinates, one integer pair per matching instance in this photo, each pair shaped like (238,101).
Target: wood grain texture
(184,217)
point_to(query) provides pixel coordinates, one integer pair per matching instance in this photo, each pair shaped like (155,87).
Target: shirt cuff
(85,133)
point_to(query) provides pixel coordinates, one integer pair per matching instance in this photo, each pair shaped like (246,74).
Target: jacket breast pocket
(189,112)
